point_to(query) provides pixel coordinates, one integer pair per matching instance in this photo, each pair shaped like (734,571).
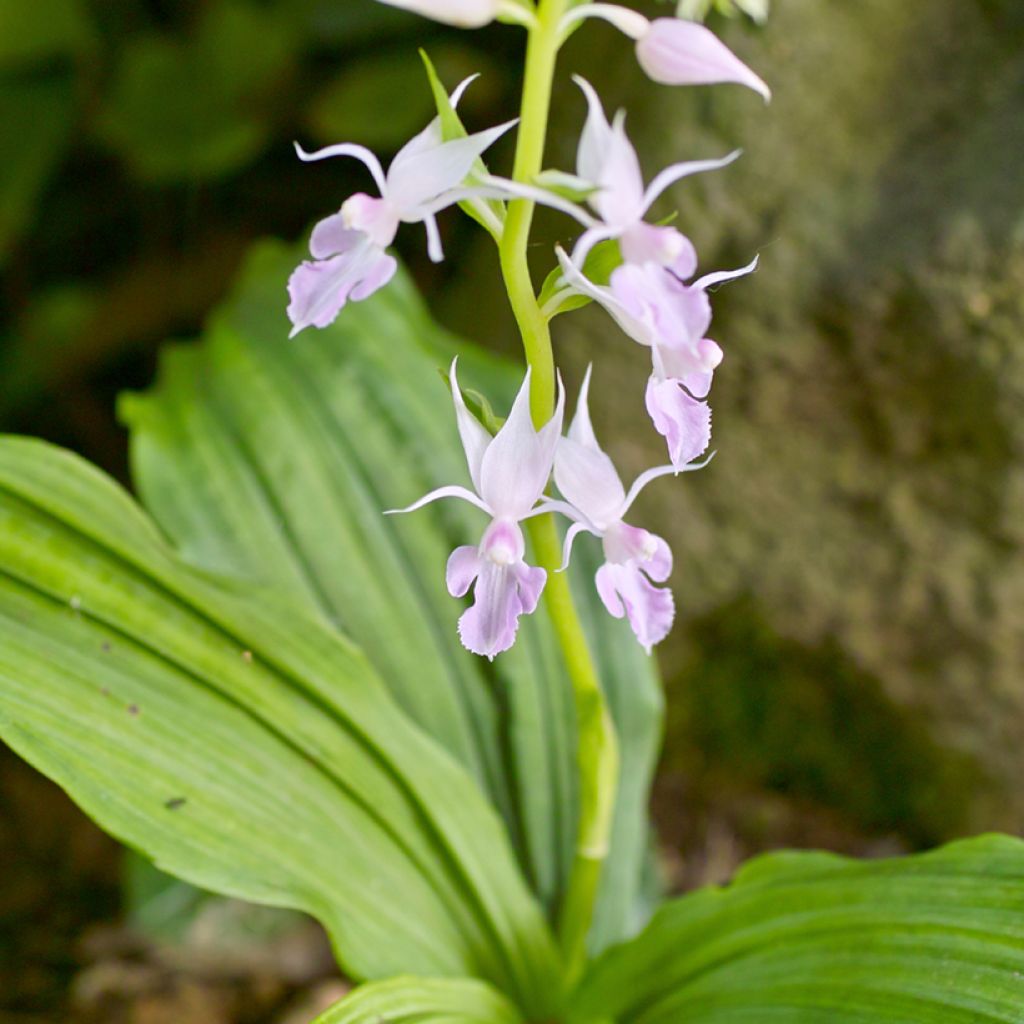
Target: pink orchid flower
(673,51)
(509,473)
(608,160)
(597,502)
(671,318)
(350,261)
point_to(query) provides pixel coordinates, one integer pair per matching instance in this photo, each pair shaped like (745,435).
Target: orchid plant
(258,680)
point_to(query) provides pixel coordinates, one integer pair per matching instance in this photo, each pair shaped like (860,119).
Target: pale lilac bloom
(673,51)
(350,261)
(509,473)
(608,161)
(466,13)
(635,559)
(671,318)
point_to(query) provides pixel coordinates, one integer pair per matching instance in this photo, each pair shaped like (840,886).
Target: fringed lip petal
(682,420)
(502,594)
(319,289)
(627,592)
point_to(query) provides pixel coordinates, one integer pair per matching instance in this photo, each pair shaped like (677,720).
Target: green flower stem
(597,746)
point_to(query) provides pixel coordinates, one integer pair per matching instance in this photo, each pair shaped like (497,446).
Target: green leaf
(601,261)
(275,460)
(931,939)
(488,213)
(243,745)
(37,115)
(423,1001)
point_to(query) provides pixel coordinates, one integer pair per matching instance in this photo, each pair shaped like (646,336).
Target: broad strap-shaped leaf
(244,746)
(423,1001)
(275,461)
(932,939)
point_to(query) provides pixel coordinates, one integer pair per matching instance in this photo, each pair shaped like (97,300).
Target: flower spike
(607,159)
(509,473)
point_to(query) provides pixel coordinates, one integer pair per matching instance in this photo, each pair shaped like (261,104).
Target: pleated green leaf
(423,1001)
(275,460)
(243,745)
(817,939)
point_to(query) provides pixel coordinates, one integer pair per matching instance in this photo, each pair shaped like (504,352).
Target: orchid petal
(503,593)
(435,250)
(654,474)
(659,565)
(587,241)
(463,568)
(684,422)
(668,177)
(563,508)
(596,136)
(633,326)
(620,196)
(581,430)
(710,280)
(475,439)
(588,480)
(629,23)
(382,271)
(319,290)
(462,13)
(433,135)
(495,187)
(415,179)
(675,314)
(348,149)
(331,237)
(678,52)
(517,464)
(625,590)
(584,474)
(669,248)
(570,537)
(550,434)
(442,492)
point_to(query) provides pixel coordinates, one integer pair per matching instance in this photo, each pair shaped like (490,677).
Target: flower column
(597,757)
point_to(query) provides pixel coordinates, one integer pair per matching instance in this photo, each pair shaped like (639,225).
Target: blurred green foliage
(146,143)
